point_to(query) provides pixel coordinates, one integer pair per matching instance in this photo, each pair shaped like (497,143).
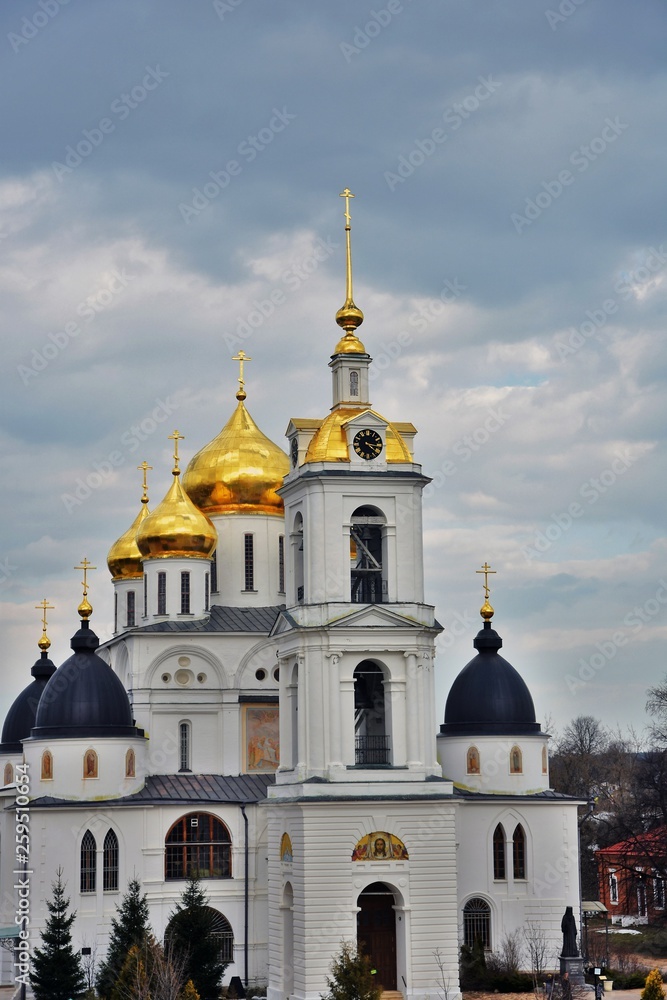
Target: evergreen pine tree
(133,981)
(129,927)
(56,969)
(352,976)
(189,991)
(653,988)
(190,937)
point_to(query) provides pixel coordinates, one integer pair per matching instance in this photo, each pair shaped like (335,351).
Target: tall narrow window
(499,853)
(249,556)
(477,923)
(130,609)
(130,764)
(519,852)
(47,766)
(88,862)
(115,611)
(184,746)
(207,584)
(185,593)
(354,383)
(214,573)
(613,887)
(110,863)
(162,593)
(9,774)
(281,564)
(516,765)
(145,598)
(544,760)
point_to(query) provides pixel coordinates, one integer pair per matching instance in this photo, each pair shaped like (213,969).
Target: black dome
(489,697)
(84,697)
(21,716)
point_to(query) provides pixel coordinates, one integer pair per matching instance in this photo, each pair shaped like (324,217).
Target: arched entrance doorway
(376,931)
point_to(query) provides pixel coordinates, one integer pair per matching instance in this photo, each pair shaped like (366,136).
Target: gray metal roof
(223,619)
(182,789)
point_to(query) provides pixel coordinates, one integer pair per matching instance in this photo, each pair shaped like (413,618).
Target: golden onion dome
(329,443)
(176,529)
(124,559)
(239,471)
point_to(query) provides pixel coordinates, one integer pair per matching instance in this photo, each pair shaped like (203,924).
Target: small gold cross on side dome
(175,437)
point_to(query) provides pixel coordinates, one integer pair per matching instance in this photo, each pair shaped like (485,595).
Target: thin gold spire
(486,611)
(349,317)
(44,606)
(176,437)
(145,467)
(85,609)
(241,357)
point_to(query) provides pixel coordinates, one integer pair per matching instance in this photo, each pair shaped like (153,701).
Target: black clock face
(367,443)
(295,452)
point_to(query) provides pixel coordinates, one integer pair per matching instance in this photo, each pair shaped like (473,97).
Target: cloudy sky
(169,194)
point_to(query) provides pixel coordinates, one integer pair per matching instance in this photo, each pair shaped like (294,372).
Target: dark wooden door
(376,931)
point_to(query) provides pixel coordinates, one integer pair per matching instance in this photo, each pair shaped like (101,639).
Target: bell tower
(358,778)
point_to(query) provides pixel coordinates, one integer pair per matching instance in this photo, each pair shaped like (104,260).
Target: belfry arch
(368,579)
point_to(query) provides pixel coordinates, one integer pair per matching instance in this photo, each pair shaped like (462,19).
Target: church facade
(263,716)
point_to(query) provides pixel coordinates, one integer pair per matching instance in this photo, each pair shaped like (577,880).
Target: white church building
(263,716)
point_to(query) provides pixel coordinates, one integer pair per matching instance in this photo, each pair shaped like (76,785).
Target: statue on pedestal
(569,929)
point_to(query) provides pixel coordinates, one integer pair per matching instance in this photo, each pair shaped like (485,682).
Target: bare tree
(89,963)
(537,947)
(443,981)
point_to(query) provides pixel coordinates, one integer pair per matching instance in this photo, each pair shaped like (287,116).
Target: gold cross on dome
(241,357)
(486,570)
(175,437)
(85,566)
(347,194)
(145,467)
(44,606)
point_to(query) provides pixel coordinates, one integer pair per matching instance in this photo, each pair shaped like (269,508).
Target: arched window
(90,764)
(184,742)
(544,760)
(130,764)
(472,760)
(354,383)
(221,931)
(370,730)
(516,765)
(296,541)
(477,923)
(88,862)
(499,869)
(198,844)
(367,585)
(47,766)
(519,852)
(9,774)
(110,863)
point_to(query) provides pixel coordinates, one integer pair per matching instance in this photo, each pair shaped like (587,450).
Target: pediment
(374,616)
(283,623)
(369,418)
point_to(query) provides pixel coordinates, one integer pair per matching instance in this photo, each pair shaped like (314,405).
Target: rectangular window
(130,609)
(613,888)
(249,562)
(214,573)
(115,611)
(659,893)
(185,593)
(162,593)
(145,598)
(206,591)
(281,564)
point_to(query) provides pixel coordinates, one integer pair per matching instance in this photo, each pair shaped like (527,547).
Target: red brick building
(631,875)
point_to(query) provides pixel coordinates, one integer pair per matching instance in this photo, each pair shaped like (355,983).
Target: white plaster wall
(230,556)
(68,755)
(494,757)
(198,570)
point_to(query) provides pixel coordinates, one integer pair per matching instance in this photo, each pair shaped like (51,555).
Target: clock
(295,452)
(367,443)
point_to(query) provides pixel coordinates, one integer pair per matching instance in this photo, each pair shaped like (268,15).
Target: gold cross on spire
(175,437)
(241,357)
(145,467)
(85,609)
(347,194)
(486,569)
(486,611)
(44,605)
